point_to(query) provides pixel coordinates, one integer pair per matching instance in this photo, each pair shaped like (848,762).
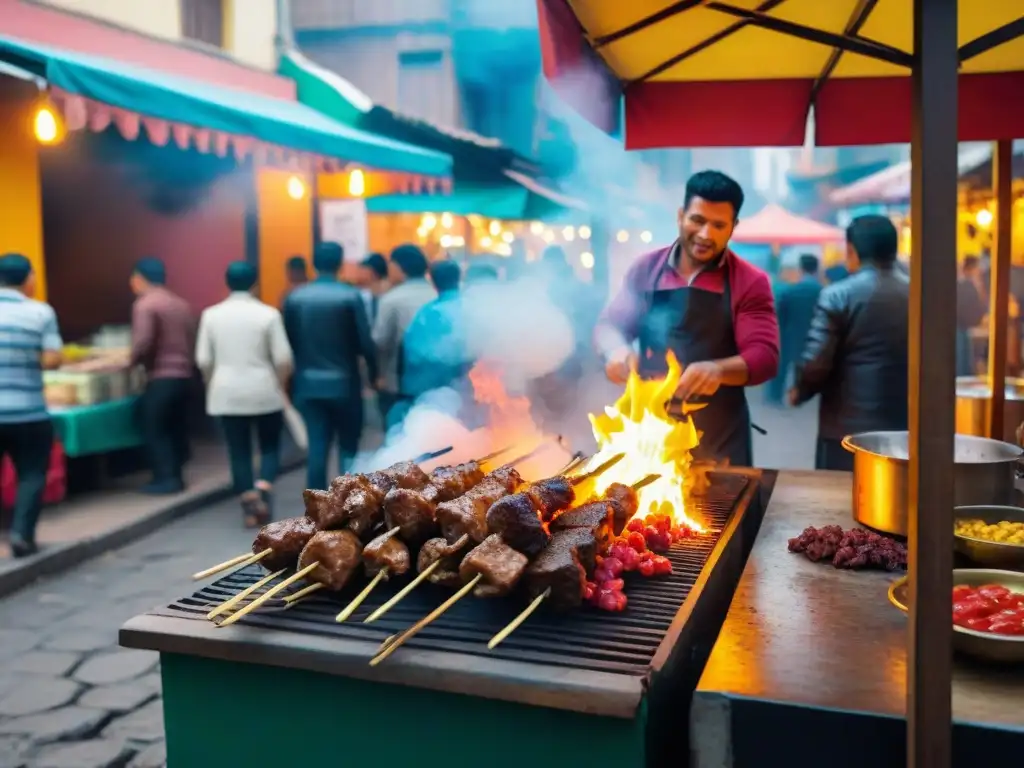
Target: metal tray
(992,554)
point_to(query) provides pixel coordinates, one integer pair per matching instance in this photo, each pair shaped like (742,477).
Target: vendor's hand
(619,366)
(699,379)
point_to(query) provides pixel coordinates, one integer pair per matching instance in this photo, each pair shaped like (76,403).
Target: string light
(508,237)
(447,220)
(356,183)
(569,234)
(45,125)
(536,228)
(485,242)
(429,221)
(549,236)
(984,218)
(446,241)
(495,228)
(296,189)
(622,236)
(645,236)
(584,232)
(587,260)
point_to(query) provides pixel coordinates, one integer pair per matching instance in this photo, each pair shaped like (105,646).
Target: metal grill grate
(588,639)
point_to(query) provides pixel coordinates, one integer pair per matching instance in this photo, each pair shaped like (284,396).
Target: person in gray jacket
(326,324)
(397,308)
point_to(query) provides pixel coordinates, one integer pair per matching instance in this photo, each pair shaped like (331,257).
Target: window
(203,20)
(422,87)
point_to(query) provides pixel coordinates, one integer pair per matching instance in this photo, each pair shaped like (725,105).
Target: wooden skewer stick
(645,482)
(493,455)
(230,603)
(599,470)
(432,454)
(577,459)
(349,609)
(296,596)
(402,593)
(241,560)
(269,594)
(412,631)
(514,624)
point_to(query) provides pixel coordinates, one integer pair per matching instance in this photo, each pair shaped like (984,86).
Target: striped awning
(748,72)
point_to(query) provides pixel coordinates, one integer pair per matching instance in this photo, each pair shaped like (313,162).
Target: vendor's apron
(697,325)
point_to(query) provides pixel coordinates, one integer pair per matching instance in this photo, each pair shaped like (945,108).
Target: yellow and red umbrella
(747,72)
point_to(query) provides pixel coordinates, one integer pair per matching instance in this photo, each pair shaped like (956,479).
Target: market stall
(777,76)
(776,228)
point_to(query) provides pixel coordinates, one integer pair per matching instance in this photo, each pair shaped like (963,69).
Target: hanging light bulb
(447,220)
(495,228)
(356,183)
(296,189)
(584,232)
(645,236)
(485,242)
(622,236)
(569,234)
(46,126)
(446,241)
(587,260)
(536,228)
(429,221)
(508,237)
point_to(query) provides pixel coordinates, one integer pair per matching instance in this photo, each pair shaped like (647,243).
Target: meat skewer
(439,559)
(385,556)
(558,575)
(287,537)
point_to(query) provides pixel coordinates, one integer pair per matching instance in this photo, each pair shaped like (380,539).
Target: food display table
(87,430)
(290,686)
(810,663)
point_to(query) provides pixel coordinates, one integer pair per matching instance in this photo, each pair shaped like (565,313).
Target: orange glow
(639,426)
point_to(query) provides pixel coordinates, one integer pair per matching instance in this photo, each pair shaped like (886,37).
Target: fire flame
(639,426)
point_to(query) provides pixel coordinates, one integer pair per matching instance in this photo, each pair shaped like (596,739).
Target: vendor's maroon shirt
(754,321)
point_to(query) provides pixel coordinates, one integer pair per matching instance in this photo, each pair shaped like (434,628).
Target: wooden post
(999,286)
(932,386)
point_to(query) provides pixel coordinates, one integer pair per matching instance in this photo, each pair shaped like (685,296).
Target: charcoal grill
(623,674)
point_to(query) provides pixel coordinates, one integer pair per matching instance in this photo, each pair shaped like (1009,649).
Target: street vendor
(713,310)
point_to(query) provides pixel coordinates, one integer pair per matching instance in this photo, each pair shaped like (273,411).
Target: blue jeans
(238,436)
(327,420)
(29,447)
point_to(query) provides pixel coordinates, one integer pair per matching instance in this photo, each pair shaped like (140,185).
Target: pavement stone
(35,695)
(51,663)
(81,641)
(15,641)
(116,667)
(66,724)
(13,750)
(145,725)
(101,753)
(122,697)
(154,756)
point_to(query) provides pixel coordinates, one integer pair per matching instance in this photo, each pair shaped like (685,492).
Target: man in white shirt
(245,358)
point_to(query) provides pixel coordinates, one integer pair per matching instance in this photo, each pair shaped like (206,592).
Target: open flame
(639,426)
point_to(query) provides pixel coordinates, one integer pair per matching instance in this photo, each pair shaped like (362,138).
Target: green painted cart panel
(221,714)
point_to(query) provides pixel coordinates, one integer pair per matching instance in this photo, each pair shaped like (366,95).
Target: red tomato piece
(973,607)
(608,600)
(662,565)
(588,590)
(637,541)
(961,592)
(663,524)
(993,591)
(1008,627)
(636,525)
(616,585)
(979,623)
(659,542)
(646,568)
(613,565)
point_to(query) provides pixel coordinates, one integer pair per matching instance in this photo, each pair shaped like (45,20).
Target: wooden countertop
(809,635)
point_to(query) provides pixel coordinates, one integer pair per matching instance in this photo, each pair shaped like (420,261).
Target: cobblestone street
(70,698)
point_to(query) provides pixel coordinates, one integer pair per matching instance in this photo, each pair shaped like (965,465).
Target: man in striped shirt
(29,342)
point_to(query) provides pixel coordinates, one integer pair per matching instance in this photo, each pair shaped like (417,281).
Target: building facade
(243,29)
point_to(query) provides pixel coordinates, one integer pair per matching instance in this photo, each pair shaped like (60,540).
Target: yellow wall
(160,19)
(21,207)
(285,229)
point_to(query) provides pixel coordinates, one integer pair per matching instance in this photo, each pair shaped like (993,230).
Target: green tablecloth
(86,430)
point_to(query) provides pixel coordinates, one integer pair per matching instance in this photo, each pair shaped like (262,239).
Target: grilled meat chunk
(560,568)
(500,565)
(285,540)
(468,513)
(551,495)
(338,554)
(447,573)
(316,504)
(352,500)
(412,512)
(381,480)
(597,516)
(363,509)
(516,520)
(624,501)
(407,474)
(451,482)
(387,553)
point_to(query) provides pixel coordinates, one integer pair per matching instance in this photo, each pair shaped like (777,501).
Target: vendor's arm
(52,355)
(818,358)
(619,324)
(143,333)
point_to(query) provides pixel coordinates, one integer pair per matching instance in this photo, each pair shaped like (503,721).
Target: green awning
(154,94)
(516,199)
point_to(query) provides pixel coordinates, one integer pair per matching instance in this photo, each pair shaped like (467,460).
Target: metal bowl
(992,554)
(1004,649)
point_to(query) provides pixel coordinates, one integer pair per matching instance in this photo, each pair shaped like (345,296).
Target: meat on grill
(387,553)
(551,495)
(285,540)
(338,554)
(405,474)
(519,518)
(467,514)
(414,510)
(562,568)
(596,516)
(624,501)
(355,500)
(447,573)
(500,565)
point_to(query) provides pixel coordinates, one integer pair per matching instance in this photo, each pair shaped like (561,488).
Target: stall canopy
(490,179)
(774,225)
(97,92)
(891,186)
(747,73)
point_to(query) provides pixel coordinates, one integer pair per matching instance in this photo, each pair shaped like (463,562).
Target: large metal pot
(974,400)
(984,473)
